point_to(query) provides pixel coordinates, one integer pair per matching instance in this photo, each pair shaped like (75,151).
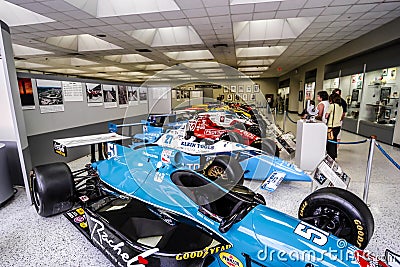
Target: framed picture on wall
(233,88)
(253,97)
(226,89)
(256,88)
(237,97)
(240,88)
(244,97)
(230,97)
(384,72)
(248,89)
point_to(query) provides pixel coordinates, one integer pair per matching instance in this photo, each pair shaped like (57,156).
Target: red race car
(204,128)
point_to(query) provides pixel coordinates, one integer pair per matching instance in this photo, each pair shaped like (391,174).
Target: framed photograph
(230,97)
(384,72)
(387,113)
(253,97)
(244,97)
(237,97)
(355,94)
(248,89)
(240,88)
(226,89)
(359,84)
(233,88)
(256,88)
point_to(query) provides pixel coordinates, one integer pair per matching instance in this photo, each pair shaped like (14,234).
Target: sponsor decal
(302,207)
(118,252)
(166,156)
(201,253)
(60,149)
(72,214)
(197,145)
(214,132)
(192,166)
(145,153)
(79,219)
(111,150)
(83,198)
(80,211)
(271,183)
(159,177)
(366,260)
(83,225)
(230,260)
(360,233)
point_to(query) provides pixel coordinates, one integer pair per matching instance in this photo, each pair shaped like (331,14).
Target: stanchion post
(284,121)
(369,168)
(275,115)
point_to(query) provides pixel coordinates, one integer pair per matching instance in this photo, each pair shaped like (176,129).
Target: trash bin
(6,189)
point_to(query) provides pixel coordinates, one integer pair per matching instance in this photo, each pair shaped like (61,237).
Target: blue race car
(141,207)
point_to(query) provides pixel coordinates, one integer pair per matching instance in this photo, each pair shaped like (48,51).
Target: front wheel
(340,213)
(52,188)
(224,170)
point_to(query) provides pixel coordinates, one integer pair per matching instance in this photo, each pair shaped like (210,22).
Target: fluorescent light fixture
(170,72)
(256,62)
(80,43)
(20,51)
(254,76)
(68,71)
(169,36)
(240,2)
(190,55)
(253,69)
(15,15)
(110,8)
(201,64)
(108,69)
(128,58)
(152,67)
(209,70)
(133,73)
(267,51)
(270,29)
(29,65)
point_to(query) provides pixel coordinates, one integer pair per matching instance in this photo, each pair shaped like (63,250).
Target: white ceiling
(100,38)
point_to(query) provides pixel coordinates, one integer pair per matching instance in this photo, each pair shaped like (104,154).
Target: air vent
(220,45)
(101,72)
(75,54)
(19,58)
(143,50)
(101,35)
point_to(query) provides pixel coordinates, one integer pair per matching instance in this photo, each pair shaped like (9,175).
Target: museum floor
(29,240)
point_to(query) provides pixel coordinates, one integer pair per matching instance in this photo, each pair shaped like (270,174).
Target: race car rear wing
(61,145)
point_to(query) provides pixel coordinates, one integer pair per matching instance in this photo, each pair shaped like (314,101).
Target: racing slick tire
(224,170)
(340,213)
(52,188)
(254,129)
(232,137)
(266,145)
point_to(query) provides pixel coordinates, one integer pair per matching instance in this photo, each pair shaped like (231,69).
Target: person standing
(323,99)
(344,106)
(334,119)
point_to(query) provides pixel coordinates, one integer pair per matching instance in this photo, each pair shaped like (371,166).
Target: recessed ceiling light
(169,36)
(190,55)
(20,50)
(128,58)
(80,43)
(269,51)
(201,64)
(15,15)
(270,29)
(256,62)
(109,8)
(253,69)
(239,2)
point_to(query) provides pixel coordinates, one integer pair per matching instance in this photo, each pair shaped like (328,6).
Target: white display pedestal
(310,144)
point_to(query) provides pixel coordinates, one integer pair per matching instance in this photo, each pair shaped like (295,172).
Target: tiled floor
(29,240)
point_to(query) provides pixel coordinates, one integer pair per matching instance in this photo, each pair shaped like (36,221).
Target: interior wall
(377,37)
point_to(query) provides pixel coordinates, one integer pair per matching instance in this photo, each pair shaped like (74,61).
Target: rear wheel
(52,188)
(254,129)
(224,170)
(340,213)
(232,137)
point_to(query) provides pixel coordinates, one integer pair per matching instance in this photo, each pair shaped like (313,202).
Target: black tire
(224,170)
(254,129)
(239,126)
(232,137)
(340,213)
(266,145)
(52,188)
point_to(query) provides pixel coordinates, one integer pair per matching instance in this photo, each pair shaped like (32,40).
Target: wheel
(254,129)
(224,170)
(340,213)
(232,137)
(239,126)
(52,188)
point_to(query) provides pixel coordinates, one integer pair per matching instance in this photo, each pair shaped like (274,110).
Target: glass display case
(331,84)
(352,88)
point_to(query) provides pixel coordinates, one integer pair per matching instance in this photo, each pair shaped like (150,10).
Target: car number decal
(315,235)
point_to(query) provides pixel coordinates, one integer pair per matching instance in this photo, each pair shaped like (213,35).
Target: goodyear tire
(224,170)
(340,213)
(254,129)
(231,136)
(52,188)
